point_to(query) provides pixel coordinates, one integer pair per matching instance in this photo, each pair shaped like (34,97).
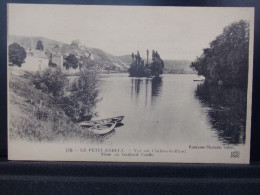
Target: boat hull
(101,130)
(117,119)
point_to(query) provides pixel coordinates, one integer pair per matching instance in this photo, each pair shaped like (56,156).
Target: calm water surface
(172,109)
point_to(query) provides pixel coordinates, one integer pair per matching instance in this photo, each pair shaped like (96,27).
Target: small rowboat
(103,122)
(102,129)
(198,80)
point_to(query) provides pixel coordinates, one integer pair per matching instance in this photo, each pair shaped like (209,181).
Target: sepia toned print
(132,84)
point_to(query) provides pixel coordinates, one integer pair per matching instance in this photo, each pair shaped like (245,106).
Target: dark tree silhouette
(147,54)
(157,65)
(138,68)
(71,62)
(17,54)
(133,56)
(39,46)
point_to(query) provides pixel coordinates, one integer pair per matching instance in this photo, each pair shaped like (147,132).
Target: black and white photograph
(129,83)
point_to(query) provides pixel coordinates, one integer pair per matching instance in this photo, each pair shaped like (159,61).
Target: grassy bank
(36,116)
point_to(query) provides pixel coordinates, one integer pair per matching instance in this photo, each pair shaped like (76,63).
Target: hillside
(26,42)
(105,59)
(102,59)
(178,67)
(30,121)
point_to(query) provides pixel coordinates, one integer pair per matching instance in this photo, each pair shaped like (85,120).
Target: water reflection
(138,82)
(152,88)
(156,88)
(227,111)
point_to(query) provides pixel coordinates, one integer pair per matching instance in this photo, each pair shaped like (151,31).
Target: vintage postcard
(129,83)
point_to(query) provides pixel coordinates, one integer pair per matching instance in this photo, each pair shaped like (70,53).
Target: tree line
(226,60)
(139,68)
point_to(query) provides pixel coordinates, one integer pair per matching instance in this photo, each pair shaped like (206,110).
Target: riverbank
(36,116)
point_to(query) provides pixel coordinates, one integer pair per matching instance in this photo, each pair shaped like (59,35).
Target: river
(172,109)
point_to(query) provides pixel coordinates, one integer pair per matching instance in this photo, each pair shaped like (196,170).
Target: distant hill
(178,67)
(103,59)
(27,42)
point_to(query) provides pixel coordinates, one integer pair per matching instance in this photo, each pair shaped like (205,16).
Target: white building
(35,61)
(57,59)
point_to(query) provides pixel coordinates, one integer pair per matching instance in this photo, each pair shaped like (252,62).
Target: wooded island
(140,69)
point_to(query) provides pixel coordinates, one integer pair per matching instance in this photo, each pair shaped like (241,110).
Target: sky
(175,32)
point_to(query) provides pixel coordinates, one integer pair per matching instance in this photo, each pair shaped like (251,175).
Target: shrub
(17,54)
(51,80)
(39,46)
(71,62)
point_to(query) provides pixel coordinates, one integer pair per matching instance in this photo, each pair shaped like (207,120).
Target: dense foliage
(140,69)
(226,61)
(71,62)
(157,65)
(17,54)
(51,80)
(80,104)
(83,61)
(39,46)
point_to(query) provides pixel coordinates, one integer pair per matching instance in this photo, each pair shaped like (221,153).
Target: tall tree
(133,56)
(147,56)
(157,65)
(39,45)
(17,54)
